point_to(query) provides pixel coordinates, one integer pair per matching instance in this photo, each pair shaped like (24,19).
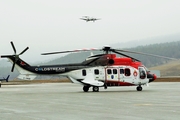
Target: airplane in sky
(101,70)
(87,18)
(4,79)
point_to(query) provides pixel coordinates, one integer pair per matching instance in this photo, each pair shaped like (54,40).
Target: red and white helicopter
(102,70)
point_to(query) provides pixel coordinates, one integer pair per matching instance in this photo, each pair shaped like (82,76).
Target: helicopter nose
(152,77)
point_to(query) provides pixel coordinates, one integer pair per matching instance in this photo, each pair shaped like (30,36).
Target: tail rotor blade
(13,67)
(14,57)
(13,47)
(24,50)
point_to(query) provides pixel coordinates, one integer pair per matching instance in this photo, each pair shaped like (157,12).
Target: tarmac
(67,101)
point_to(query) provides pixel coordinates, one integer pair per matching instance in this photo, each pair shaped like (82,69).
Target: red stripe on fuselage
(118,83)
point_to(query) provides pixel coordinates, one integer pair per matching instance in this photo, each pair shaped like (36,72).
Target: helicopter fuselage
(123,72)
(96,71)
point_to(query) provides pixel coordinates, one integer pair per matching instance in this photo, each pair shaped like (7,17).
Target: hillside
(171,68)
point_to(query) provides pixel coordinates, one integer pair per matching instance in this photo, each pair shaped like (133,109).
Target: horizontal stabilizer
(91,81)
(5,79)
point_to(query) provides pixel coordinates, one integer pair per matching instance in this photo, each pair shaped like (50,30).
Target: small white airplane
(87,18)
(4,79)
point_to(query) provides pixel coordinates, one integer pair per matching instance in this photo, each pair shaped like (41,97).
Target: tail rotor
(15,56)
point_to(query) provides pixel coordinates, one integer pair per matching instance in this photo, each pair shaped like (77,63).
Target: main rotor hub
(106,49)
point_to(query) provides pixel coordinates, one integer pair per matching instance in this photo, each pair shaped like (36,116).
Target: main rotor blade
(78,50)
(56,52)
(128,51)
(24,50)
(13,47)
(125,55)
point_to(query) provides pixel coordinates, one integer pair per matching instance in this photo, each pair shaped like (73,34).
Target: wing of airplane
(5,79)
(83,18)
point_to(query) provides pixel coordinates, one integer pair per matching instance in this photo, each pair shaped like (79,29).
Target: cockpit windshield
(146,69)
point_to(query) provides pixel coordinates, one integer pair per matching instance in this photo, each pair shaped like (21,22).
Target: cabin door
(112,74)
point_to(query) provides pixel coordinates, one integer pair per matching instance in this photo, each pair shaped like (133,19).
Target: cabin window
(114,71)
(109,71)
(96,72)
(127,72)
(84,72)
(121,71)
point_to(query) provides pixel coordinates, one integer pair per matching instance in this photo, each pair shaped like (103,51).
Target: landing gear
(139,88)
(105,86)
(86,88)
(95,89)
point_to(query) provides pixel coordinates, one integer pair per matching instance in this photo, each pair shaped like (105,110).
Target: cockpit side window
(142,73)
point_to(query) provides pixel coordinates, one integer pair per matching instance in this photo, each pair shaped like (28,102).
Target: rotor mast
(106,49)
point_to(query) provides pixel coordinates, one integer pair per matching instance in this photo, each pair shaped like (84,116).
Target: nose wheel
(139,88)
(95,89)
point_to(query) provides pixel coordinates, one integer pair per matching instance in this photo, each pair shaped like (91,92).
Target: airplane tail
(7,78)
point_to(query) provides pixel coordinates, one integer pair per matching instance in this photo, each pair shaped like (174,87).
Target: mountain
(148,41)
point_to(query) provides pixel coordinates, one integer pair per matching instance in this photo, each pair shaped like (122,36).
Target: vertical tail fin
(7,78)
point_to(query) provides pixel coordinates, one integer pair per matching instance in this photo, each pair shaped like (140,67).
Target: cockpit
(144,72)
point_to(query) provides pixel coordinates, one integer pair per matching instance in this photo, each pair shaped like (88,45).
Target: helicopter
(101,70)
(87,18)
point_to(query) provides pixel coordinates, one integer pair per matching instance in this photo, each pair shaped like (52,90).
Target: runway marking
(145,104)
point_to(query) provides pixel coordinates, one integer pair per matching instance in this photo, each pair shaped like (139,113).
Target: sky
(55,25)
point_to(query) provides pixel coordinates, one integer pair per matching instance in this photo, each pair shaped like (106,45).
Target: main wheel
(139,88)
(86,88)
(95,89)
